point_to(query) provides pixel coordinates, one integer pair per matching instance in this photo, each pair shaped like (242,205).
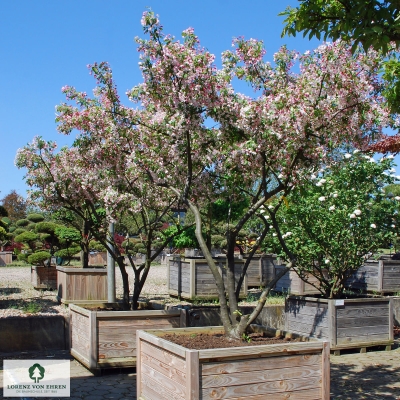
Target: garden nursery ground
(371,375)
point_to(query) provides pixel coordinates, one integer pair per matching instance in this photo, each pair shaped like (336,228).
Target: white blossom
(373,226)
(352,216)
(331,208)
(322,198)
(390,157)
(327,261)
(357,212)
(356,151)
(347,155)
(397,198)
(393,226)
(334,195)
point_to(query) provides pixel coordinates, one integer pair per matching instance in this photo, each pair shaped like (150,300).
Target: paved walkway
(372,375)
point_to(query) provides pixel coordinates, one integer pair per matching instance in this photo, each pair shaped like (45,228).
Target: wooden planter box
(81,285)
(44,277)
(261,270)
(98,258)
(348,323)
(292,370)
(291,283)
(5,258)
(192,279)
(382,276)
(107,339)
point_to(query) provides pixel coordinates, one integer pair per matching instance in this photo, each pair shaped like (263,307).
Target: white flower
(393,226)
(331,208)
(347,155)
(371,160)
(274,234)
(331,182)
(397,198)
(382,159)
(373,226)
(334,195)
(323,181)
(356,151)
(390,157)
(318,184)
(322,198)
(327,261)
(266,216)
(270,207)
(352,216)
(270,227)
(357,212)
(393,170)
(313,176)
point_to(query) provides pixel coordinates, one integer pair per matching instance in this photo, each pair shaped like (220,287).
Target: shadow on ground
(355,382)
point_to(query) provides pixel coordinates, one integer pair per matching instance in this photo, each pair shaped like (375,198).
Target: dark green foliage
(66,234)
(67,253)
(17,231)
(3,212)
(46,227)
(39,257)
(26,237)
(22,257)
(22,222)
(35,217)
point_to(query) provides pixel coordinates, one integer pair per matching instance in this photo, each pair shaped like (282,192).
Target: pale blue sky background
(46,44)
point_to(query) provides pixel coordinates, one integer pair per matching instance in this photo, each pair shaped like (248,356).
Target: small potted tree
(333,225)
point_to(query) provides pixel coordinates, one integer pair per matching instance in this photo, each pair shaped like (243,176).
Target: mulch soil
(202,341)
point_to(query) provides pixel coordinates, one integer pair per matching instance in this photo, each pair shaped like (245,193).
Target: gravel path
(19,298)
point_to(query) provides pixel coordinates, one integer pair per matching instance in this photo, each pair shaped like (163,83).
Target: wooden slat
(148,391)
(363,331)
(278,386)
(164,357)
(363,341)
(161,381)
(92,340)
(361,322)
(260,364)
(326,372)
(193,375)
(250,351)
(257,376)
(164,369)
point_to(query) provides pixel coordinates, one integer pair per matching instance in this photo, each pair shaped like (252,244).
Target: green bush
(22,257)
(46,227)
(67,253)
(34,217)
(39,257)
(22,222)
(26,237)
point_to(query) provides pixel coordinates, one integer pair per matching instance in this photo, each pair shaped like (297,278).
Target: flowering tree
(261,146)
(337,220)
(193,139)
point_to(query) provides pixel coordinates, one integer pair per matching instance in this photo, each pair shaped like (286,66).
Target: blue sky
(46,44)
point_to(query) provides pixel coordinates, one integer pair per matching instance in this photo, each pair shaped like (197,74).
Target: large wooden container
(292,370)
(192,279)
(260,270)
(382,276)
(348,323)
(107,339)
(44,277)
(5,258)
(81,285)
(99,258)
(291,283)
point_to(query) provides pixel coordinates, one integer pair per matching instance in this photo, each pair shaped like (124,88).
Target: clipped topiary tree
(39,258)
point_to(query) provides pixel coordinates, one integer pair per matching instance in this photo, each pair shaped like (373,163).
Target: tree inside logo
(36,372)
